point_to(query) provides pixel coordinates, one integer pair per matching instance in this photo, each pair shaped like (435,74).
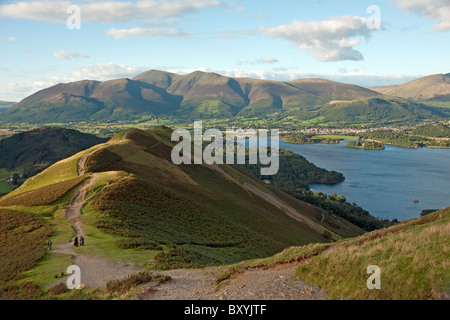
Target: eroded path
(277,283)
(95,271)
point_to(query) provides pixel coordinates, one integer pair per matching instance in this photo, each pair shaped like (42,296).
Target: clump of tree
(420,137)
(439,130)
(427,211)
(365,144)
(295,172)
(339,206)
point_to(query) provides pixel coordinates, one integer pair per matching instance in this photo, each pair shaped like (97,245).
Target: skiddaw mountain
(210,95)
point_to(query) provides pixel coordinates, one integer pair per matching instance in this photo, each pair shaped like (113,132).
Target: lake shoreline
(383,183)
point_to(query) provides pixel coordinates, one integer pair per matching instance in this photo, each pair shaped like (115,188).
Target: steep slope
(435,88)
(32,151)
(188,215)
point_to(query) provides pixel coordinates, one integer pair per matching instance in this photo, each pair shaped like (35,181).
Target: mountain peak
(432,87)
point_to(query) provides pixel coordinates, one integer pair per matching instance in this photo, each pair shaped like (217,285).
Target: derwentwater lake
(384,182)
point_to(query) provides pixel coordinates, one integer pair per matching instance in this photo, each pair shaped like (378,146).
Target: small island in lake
(366,144)
(302,138)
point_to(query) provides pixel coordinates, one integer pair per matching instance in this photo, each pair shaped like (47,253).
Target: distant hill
(32,151)
(4,105)
(434,88)
(195,95)
(378,109)
(192,215)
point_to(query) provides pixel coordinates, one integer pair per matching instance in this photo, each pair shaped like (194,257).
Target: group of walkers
(78,241)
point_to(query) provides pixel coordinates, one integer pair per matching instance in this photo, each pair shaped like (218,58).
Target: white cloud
(261,16)
(106,71)
(268,59)
(438,10)
(10,39)
(235,8)
(104,11)
(263,60)
(64,55)
(149,32)
(328,40)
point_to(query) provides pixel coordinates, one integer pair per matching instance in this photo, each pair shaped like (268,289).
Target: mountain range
(210,95)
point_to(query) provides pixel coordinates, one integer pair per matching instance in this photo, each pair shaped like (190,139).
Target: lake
(384,182)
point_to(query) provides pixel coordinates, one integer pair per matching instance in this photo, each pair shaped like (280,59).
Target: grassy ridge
(193,212)
(42,196)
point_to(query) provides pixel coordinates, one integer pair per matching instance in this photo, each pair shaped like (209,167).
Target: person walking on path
(81,240)
(49,244)
(75,242)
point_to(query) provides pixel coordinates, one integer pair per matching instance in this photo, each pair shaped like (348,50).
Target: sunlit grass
(413,257)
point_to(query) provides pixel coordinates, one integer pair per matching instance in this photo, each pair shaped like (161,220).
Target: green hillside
(386,110)
(412,257)
(141,208)
(32,151)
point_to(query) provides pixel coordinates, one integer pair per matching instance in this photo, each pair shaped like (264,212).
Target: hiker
(75,242)
(49,244)
(81,240)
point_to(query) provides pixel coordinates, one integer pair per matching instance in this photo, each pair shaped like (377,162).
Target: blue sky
(279,40)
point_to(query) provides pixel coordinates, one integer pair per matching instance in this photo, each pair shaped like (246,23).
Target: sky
(368,43)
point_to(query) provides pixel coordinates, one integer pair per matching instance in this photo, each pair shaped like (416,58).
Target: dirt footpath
(95,271)
(277,283)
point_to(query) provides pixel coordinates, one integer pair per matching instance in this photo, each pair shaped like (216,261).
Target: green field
(6,187)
